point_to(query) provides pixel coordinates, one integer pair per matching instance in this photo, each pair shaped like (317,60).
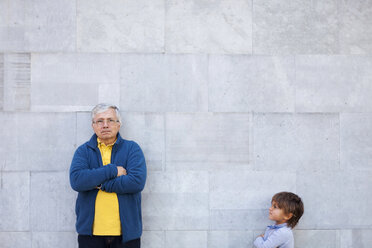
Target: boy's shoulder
(285,231)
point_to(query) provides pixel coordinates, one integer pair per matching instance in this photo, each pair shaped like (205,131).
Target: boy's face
(276,214)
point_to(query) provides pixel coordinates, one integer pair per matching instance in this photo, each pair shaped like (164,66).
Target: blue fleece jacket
(87,172)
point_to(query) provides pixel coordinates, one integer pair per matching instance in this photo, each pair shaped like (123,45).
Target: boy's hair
(290,203)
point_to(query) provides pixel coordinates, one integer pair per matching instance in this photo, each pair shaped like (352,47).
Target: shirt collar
(100,143)
(277,226)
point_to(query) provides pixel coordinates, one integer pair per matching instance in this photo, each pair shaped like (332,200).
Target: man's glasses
(109,122)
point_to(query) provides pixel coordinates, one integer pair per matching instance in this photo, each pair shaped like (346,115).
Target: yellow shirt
(106,216)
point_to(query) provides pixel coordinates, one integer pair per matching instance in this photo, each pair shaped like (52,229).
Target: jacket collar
(93,141)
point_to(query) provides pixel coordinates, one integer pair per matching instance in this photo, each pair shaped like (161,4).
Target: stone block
(296,142)
(203,140)
(59,80)
(17,81)
(175,211)
(82,68)
(64,97)
(239,189)
(3,10)
(153,239)
(350,238)
(356,141)
(316,238)
(11,13)
(346,240)
(1,81)
(8,148)
(323,199)
(14,206)
(355,191)
(147,129)
(52,203)
(54,239)
(12,28)
(209,27)
(177,182)
(164,83)
(15,239)
(12,39)
(120,26)
(185,239)
(109,93)
(38,26)
(295,27)
(333,83)
(238,220)
(68,108)
(47,143)
(355,20)
(361,238)
(251,83)
(84,129)
(229,239)
(50,25)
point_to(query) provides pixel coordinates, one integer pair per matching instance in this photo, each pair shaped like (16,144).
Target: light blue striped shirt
(276,236)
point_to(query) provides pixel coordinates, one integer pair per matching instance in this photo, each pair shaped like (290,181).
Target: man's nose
(105,123)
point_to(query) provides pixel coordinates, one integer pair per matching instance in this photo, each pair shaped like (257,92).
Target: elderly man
(109,173)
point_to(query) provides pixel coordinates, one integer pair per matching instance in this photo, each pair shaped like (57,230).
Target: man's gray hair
(102,107)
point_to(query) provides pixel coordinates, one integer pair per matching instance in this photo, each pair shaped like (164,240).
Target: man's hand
(121,171)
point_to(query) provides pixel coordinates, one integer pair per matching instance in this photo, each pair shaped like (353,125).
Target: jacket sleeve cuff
(111,171)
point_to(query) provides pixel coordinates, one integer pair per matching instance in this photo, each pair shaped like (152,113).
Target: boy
(286,210)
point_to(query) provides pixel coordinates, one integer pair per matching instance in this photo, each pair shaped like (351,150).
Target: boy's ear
(288,216)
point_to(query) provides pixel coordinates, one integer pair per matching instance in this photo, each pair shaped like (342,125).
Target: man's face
(106,126)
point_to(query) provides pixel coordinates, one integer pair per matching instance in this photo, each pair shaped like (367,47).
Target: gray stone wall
(231,101)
